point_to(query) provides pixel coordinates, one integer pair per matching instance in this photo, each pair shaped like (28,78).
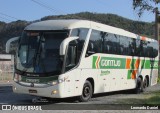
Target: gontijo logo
(110,63)
(107,63)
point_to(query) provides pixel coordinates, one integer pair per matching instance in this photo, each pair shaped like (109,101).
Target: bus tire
(86,92)
(139,86)
(145,84)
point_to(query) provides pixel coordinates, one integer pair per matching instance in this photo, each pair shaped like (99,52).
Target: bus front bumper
(43,90)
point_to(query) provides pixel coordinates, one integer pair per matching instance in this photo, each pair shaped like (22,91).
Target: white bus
(79,58)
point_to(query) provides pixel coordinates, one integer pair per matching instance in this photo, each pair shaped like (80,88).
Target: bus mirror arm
(89,53)
(8,43)
(65,43)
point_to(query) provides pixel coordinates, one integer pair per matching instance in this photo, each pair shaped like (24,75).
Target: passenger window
(102,42)
(111,44)
(152,49)
(124,45)
(95,43)
(82,34)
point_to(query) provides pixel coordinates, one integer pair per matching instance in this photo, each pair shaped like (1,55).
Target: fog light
(54,92)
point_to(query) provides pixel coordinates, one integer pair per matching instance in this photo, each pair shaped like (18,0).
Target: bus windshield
(38,52)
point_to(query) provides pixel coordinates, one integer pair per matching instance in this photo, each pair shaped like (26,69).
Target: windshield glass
(39,52)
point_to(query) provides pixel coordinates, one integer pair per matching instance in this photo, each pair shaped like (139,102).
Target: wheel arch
(91,80)
(147,77)
(140,76)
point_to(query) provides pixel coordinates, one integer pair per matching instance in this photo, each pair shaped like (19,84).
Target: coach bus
(79,58)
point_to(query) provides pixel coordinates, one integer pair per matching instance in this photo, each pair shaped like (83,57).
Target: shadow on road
(13,98)
(113,93)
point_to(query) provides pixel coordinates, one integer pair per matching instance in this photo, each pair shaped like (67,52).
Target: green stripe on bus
(151,64)
(129,74)
(94,62)
(147,64)
(133,61)
(142,64)
(120,63)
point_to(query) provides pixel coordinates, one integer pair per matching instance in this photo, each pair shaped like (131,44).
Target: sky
(30,10)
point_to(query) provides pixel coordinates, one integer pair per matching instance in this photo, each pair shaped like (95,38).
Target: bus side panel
(75,79)
(154,77)
(105,79)
(99,81)
(89,72)
(111,76)
(154,71)
(69,82)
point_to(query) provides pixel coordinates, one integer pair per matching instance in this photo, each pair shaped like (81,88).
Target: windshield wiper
(37,60)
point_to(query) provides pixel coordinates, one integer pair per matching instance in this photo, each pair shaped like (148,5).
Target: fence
(6,68)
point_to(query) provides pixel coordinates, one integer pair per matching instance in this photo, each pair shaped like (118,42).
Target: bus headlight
(55,82)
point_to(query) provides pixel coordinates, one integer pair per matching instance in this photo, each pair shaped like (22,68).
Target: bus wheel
(139,86)
(144,84)
(87,92)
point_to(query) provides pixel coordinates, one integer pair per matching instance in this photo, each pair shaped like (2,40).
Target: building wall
(6,68)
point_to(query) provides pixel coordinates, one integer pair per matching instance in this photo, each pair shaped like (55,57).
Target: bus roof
(74,23)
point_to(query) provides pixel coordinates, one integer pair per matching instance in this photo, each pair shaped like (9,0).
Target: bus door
(72,73)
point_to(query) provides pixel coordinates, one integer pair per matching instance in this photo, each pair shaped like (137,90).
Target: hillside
(113,20)
(9,30)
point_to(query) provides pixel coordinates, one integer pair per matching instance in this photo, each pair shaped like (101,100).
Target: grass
(150,99)
(158,75)
(154,99)
(158,79)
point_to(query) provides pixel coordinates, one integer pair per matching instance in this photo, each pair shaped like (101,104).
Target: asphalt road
(106,101)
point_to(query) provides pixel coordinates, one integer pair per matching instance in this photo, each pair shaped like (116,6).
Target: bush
(158,75)
(158,79)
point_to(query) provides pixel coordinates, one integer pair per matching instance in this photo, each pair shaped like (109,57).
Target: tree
(142,5)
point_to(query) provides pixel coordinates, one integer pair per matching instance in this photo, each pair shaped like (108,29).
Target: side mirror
(8,43)
(71,57)
(64,44)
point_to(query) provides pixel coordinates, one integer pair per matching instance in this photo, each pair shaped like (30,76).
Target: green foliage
(13,29)
(10,30)
(145,5)
(158,75)
(113,20)
(146,99)
(158,79)
(154,100)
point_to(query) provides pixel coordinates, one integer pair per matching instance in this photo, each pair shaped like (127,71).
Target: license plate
(32,91)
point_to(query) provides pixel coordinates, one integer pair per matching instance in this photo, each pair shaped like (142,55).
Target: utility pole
(157,22)
(157,28)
